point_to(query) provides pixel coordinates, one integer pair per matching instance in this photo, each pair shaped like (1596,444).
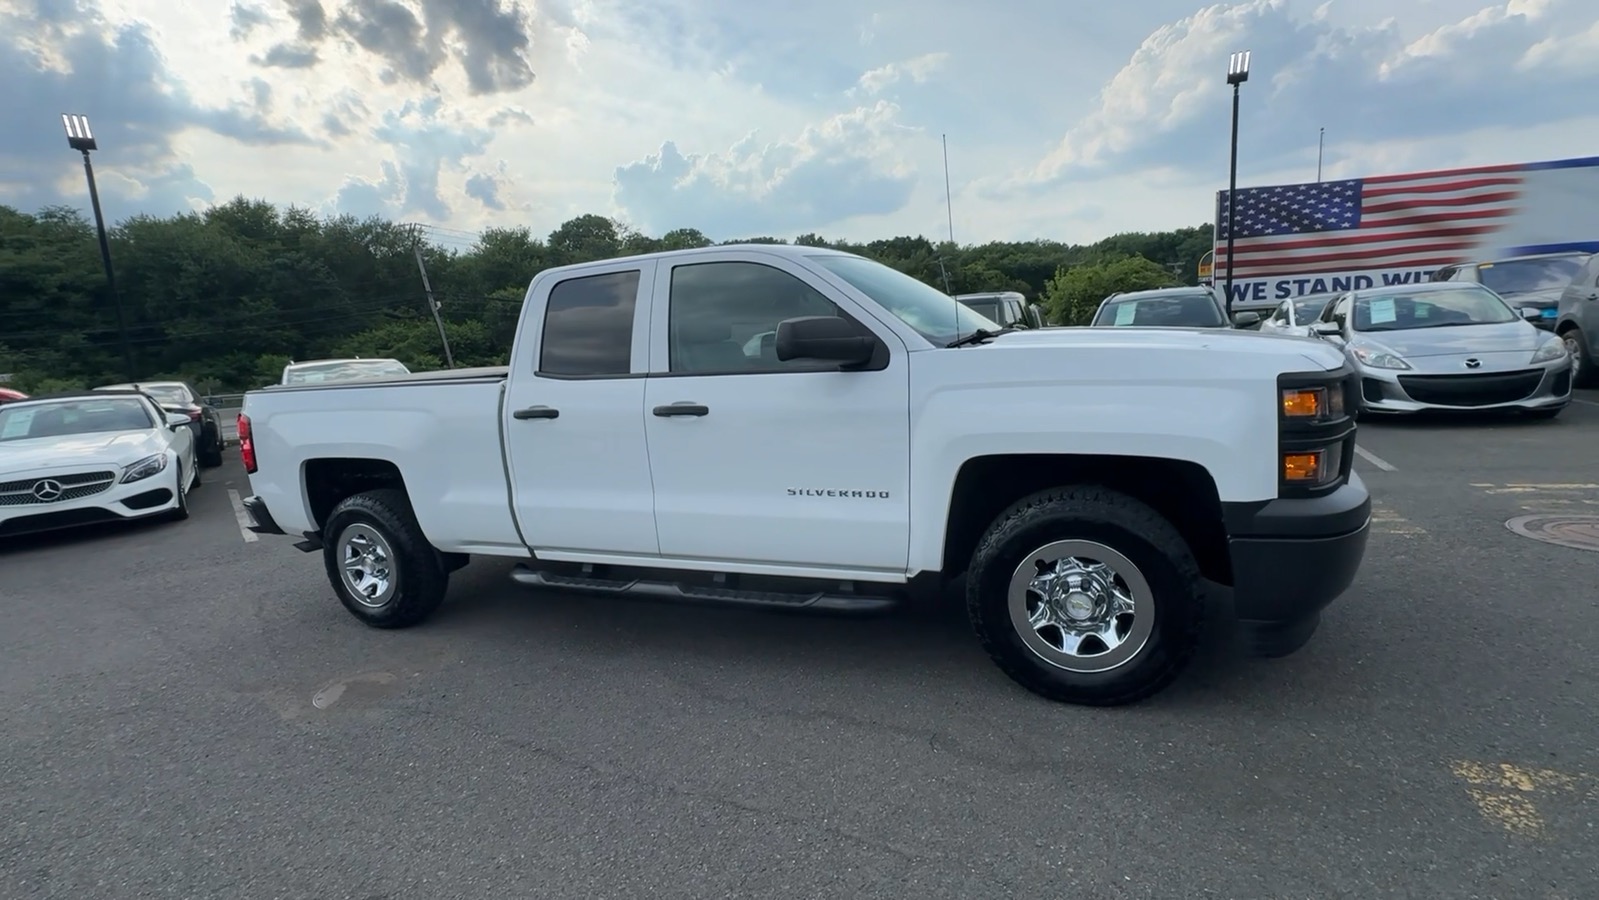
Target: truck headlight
(1553,349)
(144,468)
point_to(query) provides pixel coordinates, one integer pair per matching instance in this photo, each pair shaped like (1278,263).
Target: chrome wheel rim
(368,565)
(1081,606)
(1574,350)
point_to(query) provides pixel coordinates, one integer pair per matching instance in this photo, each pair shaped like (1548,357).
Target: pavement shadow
(915,644)
(1437,419)
(74,537)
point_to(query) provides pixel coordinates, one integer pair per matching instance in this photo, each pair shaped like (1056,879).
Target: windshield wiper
(980,335)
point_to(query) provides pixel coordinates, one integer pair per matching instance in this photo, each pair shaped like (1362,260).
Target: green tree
(1074,293)
(227,297)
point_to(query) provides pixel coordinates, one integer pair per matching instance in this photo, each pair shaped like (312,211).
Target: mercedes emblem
(1473,363)
(48,489)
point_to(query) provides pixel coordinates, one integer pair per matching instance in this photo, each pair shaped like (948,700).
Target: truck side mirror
(831,338)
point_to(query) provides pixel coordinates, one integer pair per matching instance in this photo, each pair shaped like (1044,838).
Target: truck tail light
(246,444)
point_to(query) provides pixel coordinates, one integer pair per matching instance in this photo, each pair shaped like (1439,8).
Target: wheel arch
(1182,491)
(328,481)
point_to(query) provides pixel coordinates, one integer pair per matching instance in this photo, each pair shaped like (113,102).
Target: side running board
(821,601)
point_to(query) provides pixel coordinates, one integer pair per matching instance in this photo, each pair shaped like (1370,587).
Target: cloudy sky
(1066,119)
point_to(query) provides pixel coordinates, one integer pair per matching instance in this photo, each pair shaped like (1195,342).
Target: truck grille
(1472,390)
(54,488)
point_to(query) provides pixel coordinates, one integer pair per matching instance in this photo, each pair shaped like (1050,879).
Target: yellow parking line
(1552,497)
(1386,521)
(1504,792)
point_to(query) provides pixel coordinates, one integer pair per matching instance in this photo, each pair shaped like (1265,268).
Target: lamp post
(1237,74)
(81,139)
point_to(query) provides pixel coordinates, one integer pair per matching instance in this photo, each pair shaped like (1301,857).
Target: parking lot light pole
(81,139)
(1237,74)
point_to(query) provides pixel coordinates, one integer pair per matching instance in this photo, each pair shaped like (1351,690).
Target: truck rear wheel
(1085,595)
(379,562)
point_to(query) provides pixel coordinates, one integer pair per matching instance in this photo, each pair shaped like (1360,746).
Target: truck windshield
(349,370)
(1520,276)
(934,314)
(1194,310)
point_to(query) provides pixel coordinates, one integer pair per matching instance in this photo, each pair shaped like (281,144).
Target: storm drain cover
(1576,532)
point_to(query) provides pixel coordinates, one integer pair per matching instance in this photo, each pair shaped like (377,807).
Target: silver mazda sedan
(1447,346)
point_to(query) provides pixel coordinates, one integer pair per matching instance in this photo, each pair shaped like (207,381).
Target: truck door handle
(536,412)
(683,409)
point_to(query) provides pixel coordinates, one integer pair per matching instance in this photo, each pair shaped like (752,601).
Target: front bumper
(90,495)
(1537,386)
(1291,558)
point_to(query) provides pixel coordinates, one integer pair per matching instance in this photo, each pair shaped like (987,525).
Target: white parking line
(1374,459)
(1580,400)
(249,536)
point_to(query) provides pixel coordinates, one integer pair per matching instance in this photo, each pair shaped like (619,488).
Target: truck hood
(1143,340)
(1499,337)
(114,448)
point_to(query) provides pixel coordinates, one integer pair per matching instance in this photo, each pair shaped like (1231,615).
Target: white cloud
(847,166)
(917,69)
(1065,121)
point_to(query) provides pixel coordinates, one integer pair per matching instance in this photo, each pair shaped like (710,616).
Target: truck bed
(446,424)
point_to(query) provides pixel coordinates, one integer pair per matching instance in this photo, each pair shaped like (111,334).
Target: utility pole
(1237,74)
(433,305)
(949,201)
(81,139)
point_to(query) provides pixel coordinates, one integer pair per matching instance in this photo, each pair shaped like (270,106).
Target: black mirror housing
(830,338)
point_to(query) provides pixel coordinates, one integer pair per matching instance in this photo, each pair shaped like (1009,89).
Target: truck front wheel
(1085,595)
(381,565)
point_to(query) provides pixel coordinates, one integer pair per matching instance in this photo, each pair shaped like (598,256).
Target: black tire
(182,511)
(1159,556)
(1577,344)
(417,578)
(211,457)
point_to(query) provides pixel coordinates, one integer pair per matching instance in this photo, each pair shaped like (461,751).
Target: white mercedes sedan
(96,456)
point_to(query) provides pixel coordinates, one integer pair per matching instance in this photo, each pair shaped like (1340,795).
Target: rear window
(1523,275)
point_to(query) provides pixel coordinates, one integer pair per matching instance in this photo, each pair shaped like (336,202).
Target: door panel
(574,431)
(788,462)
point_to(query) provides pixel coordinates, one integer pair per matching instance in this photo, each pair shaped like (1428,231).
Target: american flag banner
(1414,223)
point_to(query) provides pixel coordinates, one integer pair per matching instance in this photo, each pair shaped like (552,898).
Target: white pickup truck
(795,428)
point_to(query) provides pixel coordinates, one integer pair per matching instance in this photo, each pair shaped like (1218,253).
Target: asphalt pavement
(190,714)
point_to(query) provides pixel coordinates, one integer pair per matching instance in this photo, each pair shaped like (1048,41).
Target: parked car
(1171,307)
(872,454)
(92,456)
(8,395)
(1008,308)
(1534,281)
(1297,316)
(1577,323)
(320,371)
(179,397)
(1447,346)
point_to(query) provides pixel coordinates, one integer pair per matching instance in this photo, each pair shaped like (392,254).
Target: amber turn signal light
(1304,403)
(1302,467)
